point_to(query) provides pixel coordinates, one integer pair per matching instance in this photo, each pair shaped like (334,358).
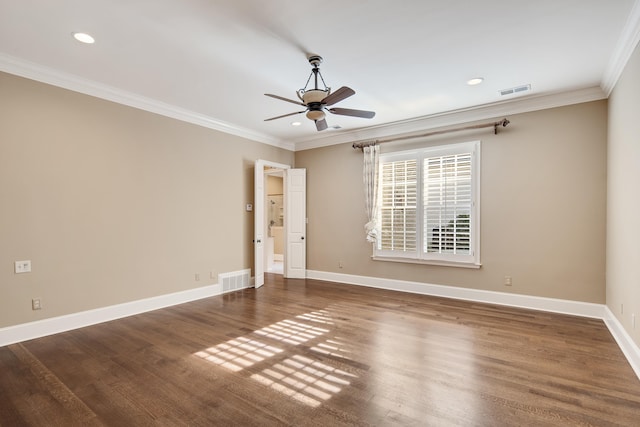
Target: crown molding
(74,83)
(627,43)
(518,105)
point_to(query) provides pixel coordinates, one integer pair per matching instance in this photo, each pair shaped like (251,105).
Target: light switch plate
(23,266)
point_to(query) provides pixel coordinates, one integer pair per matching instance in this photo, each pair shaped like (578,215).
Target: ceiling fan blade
(337,96)
(321,124)
(285,115)
(355,113)
(285,99)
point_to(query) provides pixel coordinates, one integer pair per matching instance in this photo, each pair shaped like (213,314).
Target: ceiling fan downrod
(315,61)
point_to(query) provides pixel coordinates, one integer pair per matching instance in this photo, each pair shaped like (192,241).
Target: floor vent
(235,280)
(515,90)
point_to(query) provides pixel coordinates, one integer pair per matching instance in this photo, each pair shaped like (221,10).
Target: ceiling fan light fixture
(315,115)
(314,95)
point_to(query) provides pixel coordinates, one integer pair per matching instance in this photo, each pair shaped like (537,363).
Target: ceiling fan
(316,100)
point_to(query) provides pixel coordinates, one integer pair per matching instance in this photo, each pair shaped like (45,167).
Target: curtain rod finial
(503,122)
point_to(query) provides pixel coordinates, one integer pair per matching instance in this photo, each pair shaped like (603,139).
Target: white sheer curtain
(370,177)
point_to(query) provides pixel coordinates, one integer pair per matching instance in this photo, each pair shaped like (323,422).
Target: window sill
(428,262)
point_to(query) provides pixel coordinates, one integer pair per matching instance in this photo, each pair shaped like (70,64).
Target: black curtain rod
(495,125)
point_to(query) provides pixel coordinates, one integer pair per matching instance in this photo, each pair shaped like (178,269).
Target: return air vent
(234,280)
(515,90)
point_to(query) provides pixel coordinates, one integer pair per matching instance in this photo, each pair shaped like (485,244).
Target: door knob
(302,238)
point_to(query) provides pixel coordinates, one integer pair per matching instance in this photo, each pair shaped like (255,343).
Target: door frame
(260,219)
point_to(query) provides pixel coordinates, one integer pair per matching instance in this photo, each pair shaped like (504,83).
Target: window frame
(471,260)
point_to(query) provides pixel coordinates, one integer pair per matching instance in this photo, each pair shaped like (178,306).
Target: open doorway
(293,215)
(275,211)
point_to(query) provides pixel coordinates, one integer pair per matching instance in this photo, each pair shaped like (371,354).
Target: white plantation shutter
(447,203)
(428,207)
(398,206)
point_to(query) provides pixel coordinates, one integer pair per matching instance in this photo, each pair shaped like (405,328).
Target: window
(428,207)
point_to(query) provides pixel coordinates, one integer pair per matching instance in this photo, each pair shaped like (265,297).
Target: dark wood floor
(299,352)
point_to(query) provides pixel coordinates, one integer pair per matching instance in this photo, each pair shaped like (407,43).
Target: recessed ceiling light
(295,123)
(475,81)
(83,38)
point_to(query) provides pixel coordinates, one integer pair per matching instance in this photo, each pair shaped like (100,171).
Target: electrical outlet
(507,281)
(340,264)
(633,320)
(22,266)
(197,277)
(621,308)
(213,275)
(36,304)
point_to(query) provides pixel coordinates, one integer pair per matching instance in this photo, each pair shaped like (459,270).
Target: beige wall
(274,185)
(113,204)
(623,213)
(542,208)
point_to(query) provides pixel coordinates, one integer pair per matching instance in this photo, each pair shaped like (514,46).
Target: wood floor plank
(39,397)
(308,352)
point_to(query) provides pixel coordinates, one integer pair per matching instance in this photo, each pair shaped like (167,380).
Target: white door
(260,220)
(295,223)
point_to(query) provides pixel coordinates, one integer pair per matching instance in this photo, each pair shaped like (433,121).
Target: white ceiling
(211,61)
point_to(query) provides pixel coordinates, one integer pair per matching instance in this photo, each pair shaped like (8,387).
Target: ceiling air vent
(515,90)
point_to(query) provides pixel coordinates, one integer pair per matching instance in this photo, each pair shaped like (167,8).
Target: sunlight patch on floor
(332,348)
(321,316)
(238,353)
(303,379)
(291,332)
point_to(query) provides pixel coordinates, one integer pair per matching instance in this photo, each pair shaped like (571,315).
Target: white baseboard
(41,328)
(626,344)
(576,308)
